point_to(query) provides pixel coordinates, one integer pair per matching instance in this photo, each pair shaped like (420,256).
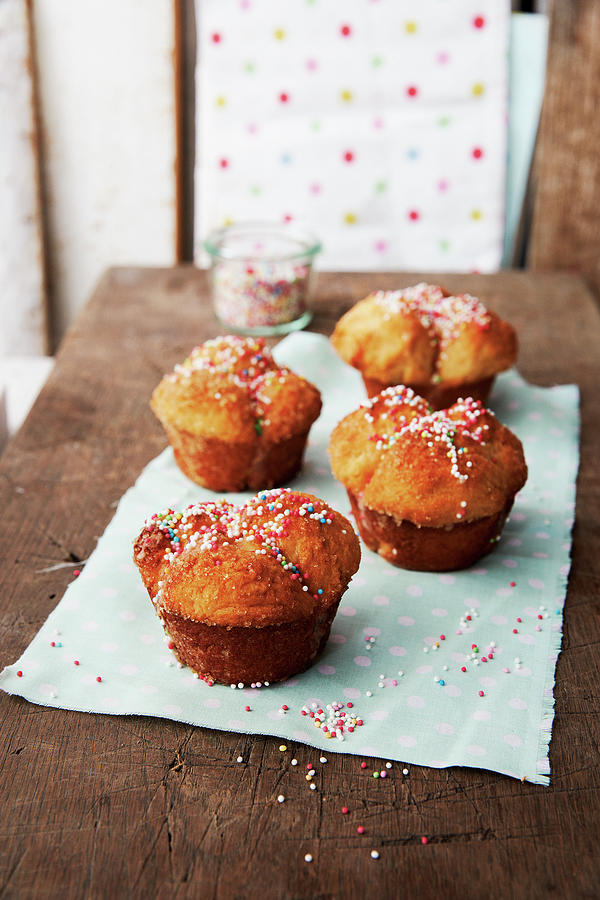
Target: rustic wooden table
(99,806)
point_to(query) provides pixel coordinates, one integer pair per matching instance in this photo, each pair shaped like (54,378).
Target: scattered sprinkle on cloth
(443,669)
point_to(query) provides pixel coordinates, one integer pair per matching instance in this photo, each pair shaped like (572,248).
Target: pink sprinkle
(383,774)
(247,708)
(98,678)
(458,631)
(424,840)
(484,659)
(285,708)
(360,829)
(513,584)
(363,765)
(463,668)
(76,572)
(481,694)
(519,619)
(515,630)
(538,628)
(344,810)
(442,637)
(349,705)
(75,662)
(506,669)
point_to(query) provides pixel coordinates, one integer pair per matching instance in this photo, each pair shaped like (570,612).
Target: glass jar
(262,277)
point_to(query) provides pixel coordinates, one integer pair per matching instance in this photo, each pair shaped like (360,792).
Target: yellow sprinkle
(476,214)
(410,27)
(346,96)
(282,747)
(279,34)
(478,89)
(350,218)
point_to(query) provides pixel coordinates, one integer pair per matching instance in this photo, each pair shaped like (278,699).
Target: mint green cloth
(106,622)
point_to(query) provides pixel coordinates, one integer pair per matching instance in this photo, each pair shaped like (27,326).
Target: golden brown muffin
(234,418)
(441,346)
(429,490)
(248,593)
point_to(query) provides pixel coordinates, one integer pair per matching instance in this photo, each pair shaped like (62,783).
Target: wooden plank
(108,96)
(100,805)
(22,285)
(566,222)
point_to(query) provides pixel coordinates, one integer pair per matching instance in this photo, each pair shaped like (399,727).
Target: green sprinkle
(258,426)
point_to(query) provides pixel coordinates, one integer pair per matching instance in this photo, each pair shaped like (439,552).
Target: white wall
(22,298)
(107,86)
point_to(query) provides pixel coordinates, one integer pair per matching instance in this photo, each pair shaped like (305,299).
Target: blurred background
(432,135)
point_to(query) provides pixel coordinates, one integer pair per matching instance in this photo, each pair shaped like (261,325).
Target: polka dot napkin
(382,125)
(401,649)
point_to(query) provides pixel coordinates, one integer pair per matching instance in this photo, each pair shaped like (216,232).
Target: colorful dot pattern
(394,649)
(380,125)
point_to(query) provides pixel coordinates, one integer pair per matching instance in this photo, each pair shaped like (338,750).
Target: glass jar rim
(308,244)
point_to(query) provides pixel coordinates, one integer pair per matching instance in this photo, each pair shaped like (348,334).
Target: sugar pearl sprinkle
(400,416)
(441,315)
(246,363)
(261,292)
(262,522)
(335,720)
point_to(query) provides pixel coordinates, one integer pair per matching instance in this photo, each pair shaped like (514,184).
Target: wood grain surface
(564,231)
(108,806)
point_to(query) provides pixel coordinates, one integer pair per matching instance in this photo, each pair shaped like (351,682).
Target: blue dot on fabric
(413,153)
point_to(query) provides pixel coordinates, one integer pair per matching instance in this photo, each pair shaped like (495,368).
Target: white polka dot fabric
(381,125)
(402,645)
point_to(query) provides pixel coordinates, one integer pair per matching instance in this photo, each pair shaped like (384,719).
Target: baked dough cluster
(234,418)
(248,593)
(442,346)
(430,490)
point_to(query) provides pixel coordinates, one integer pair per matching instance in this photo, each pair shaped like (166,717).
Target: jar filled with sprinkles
(262,276)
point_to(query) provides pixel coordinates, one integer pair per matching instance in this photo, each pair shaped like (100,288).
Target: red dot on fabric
(287,218)
(349,156)
(216,38)
(478,22)
(413,215)
(19,674)
(224,163)
(284,97)
(412,91)
(477,153)
(345,30)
